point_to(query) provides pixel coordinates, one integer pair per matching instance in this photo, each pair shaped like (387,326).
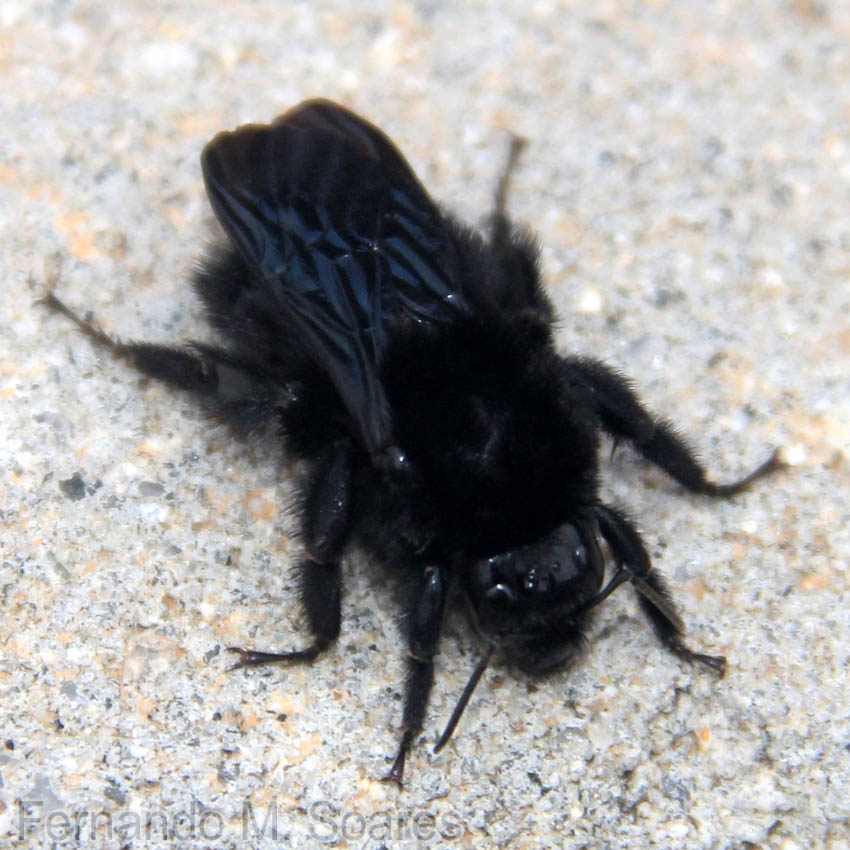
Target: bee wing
(345,236)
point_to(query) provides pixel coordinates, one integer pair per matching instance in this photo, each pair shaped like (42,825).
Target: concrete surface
(688,173)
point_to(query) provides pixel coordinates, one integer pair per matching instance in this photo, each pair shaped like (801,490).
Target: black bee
(410,361)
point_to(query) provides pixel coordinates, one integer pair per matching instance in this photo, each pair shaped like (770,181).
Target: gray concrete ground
(688,173)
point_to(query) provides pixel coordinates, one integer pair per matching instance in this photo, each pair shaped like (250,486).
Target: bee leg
(237,392)
(500,225)
(325,525)
(424,626)
(321,595)
(654,595)
(623,415)
(514,279)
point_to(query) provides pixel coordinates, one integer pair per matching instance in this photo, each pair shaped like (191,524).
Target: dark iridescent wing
(347,239)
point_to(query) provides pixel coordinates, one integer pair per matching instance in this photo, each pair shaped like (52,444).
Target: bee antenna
(477,673)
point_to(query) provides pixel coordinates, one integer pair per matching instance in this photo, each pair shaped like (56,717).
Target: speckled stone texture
(688,173)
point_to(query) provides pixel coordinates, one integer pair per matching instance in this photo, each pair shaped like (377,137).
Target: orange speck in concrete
(813,582)
(77,227)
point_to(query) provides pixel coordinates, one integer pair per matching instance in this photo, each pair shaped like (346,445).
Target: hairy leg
(325,524)
(623,416)
(236,391)
(424,626)
(653,594)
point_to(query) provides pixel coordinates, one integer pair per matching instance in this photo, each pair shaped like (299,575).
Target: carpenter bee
(410,361)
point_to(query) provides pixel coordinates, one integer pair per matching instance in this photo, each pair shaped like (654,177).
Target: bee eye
(530,581)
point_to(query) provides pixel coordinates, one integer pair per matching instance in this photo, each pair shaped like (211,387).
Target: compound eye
(580,555)
(582,566)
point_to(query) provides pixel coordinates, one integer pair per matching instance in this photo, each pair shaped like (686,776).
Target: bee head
(520,592)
